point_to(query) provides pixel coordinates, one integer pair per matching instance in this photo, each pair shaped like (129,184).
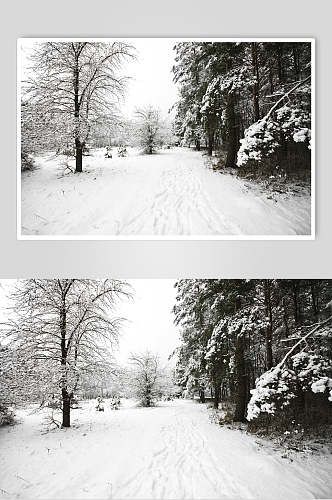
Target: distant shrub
(27,161)
(7,415)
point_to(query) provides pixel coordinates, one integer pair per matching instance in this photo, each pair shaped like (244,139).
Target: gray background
(172,259)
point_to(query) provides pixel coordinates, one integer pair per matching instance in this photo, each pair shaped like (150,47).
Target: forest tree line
(249,101)
(264,346)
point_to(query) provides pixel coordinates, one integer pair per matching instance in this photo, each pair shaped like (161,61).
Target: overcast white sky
(149,324)
(150,320)
(151,77)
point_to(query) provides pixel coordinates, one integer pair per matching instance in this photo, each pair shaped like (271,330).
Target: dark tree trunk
(231,132)
(64,352)
(314,298)
(78,144)
(285,316)
(296,62)
(279,62)
(268,329)
(240,375)
(254,56)
(216,396)
(241,381)
(65,408)
(296,301)
(79,156)
(210,144)
(271,77)
(198,145)
(202,396)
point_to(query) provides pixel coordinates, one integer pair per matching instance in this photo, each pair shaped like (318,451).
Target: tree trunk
(79,155)
(240,375)
(241,381)
(271,78)
(216,395)
(64,353)
(202,396)
(268,329)
(279,62)
(210,144)
(296,301)
(231,132)
(314,299)
(296,62)
(78,144)
(254,57)
(285,316)
(65,408)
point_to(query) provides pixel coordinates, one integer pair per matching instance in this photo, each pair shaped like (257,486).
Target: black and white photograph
(165,262)
(157,388)
(164,138)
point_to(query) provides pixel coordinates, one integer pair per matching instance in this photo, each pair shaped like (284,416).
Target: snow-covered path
(171,451)
(170,194)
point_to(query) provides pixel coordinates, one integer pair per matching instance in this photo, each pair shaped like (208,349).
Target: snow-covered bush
(294,124)
(264,141)
(259,143)
(27,161)
(7,415)
(314,373)
(276,388)
(146,378)
(8,376)
(148,129)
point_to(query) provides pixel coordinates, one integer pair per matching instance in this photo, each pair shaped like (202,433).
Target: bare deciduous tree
(145,377)
(78,81)
(66,327)
(149,127)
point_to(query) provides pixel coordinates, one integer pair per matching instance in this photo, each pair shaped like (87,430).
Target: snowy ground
(171,451)
(173,193)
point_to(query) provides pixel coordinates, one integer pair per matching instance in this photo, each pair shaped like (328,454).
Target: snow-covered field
(171,451)
(173,193)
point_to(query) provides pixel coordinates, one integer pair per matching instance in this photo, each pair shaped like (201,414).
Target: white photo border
(310,237)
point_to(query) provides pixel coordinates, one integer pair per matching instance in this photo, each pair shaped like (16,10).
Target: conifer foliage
(265,346)
(250,101)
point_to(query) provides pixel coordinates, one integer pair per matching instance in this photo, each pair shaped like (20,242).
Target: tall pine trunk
(240,381)
(216,395)
(231,138)
(210,143)
(314,297)
(279,62)
(296,301)
(254,56)
(268,328)
(240,375)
